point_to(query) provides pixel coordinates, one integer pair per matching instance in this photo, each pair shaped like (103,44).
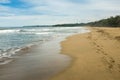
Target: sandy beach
(96,55)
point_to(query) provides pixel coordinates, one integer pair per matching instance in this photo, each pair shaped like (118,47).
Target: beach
(33,53)
(95,55)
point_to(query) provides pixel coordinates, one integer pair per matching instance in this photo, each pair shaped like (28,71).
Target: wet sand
(37,63)
(96,55)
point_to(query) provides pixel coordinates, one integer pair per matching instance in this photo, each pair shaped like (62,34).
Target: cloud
(70,7)
(58,11)
(10,11)
(34,20)
(4,1)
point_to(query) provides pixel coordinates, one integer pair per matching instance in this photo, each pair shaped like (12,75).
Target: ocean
(12,40)
(32,53)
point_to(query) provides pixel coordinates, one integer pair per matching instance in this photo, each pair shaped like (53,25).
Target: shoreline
(95,55)
(43,59)
(40,63)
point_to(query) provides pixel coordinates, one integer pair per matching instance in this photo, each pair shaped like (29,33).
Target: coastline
(42,57)
(39,62)
(95,55)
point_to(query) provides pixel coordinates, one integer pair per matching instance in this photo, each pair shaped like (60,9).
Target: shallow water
(40,63)
(13,40)
(41,60)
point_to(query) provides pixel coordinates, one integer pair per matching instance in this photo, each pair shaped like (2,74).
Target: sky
(48,12)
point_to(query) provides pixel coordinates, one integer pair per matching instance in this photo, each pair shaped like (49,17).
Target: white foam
(34,30)
(44,33)
(5,62)
(8,31)
(53,32)
(6,56)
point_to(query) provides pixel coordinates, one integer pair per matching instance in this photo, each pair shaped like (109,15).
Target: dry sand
(96,55)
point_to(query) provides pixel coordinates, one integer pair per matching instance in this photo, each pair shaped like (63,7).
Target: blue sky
(39,12)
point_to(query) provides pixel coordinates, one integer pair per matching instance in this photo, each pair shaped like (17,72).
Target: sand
(95,55)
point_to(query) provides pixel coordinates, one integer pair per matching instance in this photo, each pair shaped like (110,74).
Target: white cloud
(34,20)
(4,1)
(66,7)
(5,11)
(105,4)
(59,11)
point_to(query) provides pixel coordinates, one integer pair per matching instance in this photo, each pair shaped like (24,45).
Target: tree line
(109,22)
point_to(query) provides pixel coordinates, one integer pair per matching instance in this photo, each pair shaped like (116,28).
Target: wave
(41,33)
(26,31)
(34,30)
(33,37)
(8,31)
(40,30)
(8,55)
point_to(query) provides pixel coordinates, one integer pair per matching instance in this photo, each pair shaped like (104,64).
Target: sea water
(13,40)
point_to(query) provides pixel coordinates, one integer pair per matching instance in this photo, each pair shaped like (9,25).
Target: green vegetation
(69,25)
(109,22)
